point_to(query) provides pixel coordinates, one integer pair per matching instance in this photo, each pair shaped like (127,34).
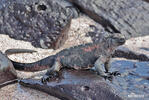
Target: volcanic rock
(64,3)
(45,23)
(130,17)
(75,85)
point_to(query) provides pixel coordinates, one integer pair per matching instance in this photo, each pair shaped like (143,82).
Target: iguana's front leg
(99,64)
(52,72)
(107,68)
(107,65)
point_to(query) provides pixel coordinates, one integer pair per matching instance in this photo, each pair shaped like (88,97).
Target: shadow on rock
(146,49)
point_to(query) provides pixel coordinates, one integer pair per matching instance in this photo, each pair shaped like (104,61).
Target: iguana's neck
(107,45)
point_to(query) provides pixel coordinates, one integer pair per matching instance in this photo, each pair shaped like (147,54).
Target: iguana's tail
(35,66)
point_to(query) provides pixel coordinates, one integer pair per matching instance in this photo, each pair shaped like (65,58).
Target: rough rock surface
(7,71)
(64,3)
(45,23)
(75,85)
(130,17)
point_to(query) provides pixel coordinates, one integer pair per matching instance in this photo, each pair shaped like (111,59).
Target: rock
(64,3)
(133,83)
(130,17)
(7,71)
(45,23)
(128,54)
(75,85)
(146,0)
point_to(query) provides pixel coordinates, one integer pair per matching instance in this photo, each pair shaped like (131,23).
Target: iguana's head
(115,40)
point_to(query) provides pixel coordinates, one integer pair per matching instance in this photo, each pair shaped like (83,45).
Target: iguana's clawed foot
(44,79)
(108,77)
(116,73)
(49,76)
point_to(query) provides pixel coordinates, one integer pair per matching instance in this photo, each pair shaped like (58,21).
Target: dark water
(133,83)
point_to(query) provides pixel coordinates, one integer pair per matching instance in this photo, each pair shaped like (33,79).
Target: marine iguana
(83,56)
(86,56)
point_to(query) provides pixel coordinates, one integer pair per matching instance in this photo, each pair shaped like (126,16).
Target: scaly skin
(86,56)
(37,66)
(83,56)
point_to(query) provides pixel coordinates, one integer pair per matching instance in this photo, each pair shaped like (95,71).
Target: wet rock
(133,83)
(7,71)
(45,23)
(75,85)
(130,17)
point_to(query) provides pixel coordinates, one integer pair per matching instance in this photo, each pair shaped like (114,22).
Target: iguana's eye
(41,7)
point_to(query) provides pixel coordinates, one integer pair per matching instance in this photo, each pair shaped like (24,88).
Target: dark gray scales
(78,57)
(85,56)
(44,23)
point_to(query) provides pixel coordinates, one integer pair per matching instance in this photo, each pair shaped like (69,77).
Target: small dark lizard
(78,57)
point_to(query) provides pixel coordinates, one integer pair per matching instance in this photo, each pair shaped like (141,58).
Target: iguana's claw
(116,73)
(109,77)
(46,77)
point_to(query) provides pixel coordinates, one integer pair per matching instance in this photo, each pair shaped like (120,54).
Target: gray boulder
(44,23)
(130,17)
(75,85)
